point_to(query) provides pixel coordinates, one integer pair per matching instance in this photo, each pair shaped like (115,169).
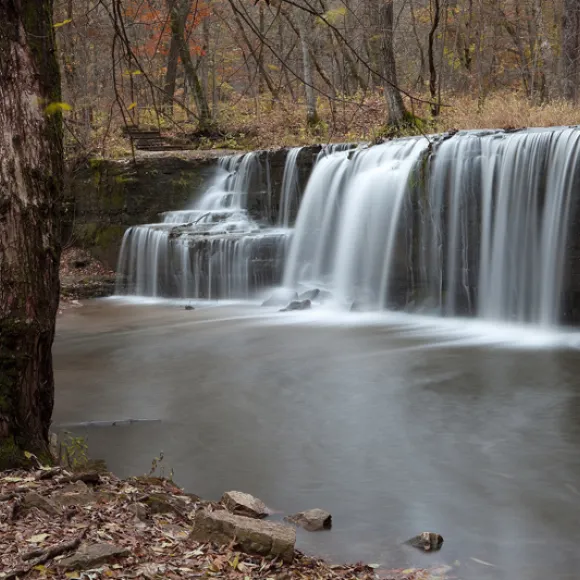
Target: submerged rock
(280,297)
(90,555)
(312,520)
(297,305)
(251,535)
(309,294)
(244,504)
(427,541)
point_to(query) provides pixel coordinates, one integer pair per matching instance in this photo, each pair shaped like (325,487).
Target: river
(395,424)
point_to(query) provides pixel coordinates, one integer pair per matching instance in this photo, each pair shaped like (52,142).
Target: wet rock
(91,555)
(312,520)
(251,535)
(427,541)
(34,500)
(189,307)
(297,305)
(280,297)
(244,504)
(309,294)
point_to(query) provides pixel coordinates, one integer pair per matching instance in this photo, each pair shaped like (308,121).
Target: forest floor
(59,524)
(82,276)
(250,123)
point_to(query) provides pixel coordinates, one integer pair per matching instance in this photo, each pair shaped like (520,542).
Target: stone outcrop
(244,504)
(91,555)
(251,535)
(313,520)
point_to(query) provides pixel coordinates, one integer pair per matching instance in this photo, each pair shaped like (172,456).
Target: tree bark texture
(395,106)
(30,187)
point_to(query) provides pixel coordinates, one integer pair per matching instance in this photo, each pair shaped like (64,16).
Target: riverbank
(59,524)
(81,277)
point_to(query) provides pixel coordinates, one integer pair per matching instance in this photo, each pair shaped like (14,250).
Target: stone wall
(105,197)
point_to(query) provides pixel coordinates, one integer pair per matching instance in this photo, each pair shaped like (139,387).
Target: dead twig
(41,556)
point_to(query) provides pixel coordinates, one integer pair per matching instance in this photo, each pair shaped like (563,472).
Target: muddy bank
(57,523)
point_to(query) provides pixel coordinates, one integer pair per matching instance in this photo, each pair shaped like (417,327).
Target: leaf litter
(33,542)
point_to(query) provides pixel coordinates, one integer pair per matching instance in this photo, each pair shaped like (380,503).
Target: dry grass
(248,123)
(508,109)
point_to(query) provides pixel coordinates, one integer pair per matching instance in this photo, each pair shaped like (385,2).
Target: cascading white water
(477,226)
(213,250)
(344,235)
(290,187)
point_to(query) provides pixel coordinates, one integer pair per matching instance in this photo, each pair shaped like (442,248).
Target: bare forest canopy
(242,74)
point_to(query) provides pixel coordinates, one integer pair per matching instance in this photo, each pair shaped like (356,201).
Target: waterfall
(474,223)
(290,187)
(345,231)
(214,250)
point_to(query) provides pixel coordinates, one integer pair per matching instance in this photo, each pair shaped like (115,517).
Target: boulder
(91,555)
(309,294)
(426,541)
(252,536)
(297,305)
(244,504)
(280,297)
(189,307)
(34,500)
(312,520)
(162,503)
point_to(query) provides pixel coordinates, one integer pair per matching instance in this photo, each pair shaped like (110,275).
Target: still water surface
(394,424)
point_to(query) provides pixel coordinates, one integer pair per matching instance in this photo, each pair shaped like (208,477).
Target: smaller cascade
(290,188)
(214,250)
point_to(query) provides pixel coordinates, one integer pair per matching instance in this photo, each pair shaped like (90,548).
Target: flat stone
(312,520)
(244,504)
(427,541)
(34,500)
(90,555)
(78,499)
(162,503)
(251,535)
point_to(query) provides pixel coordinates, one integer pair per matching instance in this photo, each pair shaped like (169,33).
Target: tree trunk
(30,188)
(435,14)
(170,76)
(179,12)
(395,106)
(571,49)
(303,23)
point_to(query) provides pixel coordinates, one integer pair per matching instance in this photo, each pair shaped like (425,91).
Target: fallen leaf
(39,538)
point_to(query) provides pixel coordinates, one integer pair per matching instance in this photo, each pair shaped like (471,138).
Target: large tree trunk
(30,187)
(179,12)
(395,106)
